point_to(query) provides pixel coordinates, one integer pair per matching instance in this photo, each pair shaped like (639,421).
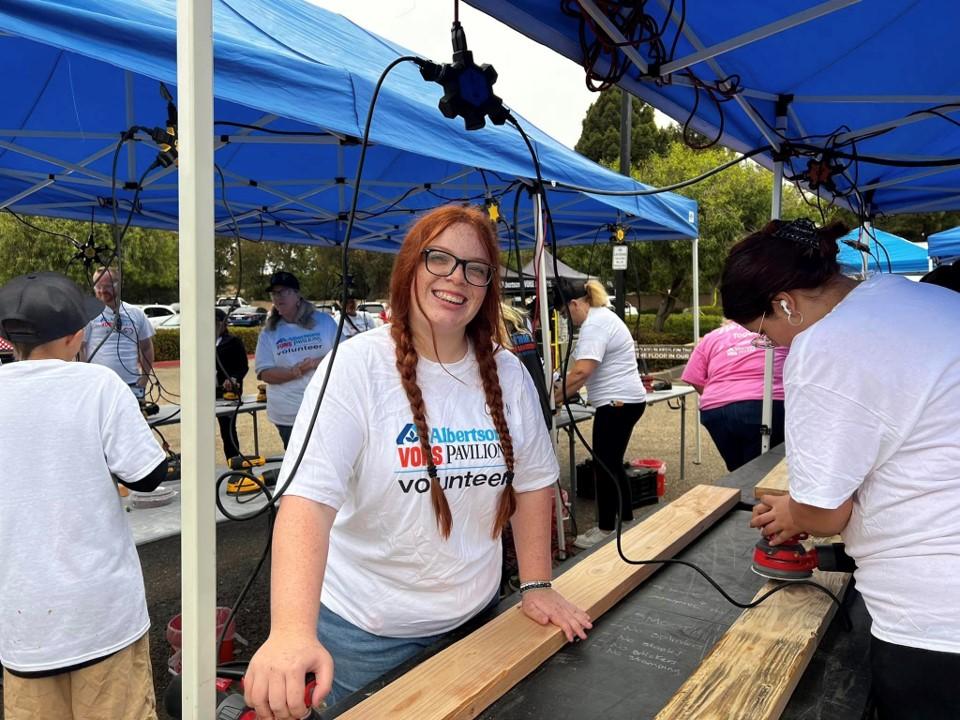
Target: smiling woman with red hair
(429,440)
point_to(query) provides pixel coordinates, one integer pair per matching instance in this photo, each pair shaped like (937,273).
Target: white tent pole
(198,529)
(541,260)
(695,271)
(776,207)
(865,229)
(695,252)
(131,120)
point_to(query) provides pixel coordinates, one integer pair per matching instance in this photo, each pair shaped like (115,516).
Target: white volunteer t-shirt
(873,411)
(389,571)
(603,337)
(361,322)
(285,346)
(71,589)
(120,352)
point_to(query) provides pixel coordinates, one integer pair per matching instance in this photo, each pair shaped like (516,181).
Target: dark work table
(642,650)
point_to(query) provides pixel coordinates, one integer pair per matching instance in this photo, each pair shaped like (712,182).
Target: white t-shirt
(604,338)
(285,346)
(389,571)
(121,350)
(873,411)
(71,589)
(361,322)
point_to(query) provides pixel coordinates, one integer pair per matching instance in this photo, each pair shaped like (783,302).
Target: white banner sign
(619,257)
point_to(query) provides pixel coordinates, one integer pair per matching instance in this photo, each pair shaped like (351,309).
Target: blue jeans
(735,430)
(360,657)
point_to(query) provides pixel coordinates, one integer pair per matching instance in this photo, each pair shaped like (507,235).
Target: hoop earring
(795,314)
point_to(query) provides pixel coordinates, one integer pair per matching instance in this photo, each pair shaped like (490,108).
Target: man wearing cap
(293,341)
(73,613)
(120,337)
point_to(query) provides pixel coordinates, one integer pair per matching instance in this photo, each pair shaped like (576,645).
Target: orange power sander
(792,561)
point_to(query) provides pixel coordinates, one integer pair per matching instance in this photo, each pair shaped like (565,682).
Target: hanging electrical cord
(611,477)
(243,476)
(606,64)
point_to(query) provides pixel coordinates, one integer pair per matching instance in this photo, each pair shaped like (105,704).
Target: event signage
(620,257)
(664,352)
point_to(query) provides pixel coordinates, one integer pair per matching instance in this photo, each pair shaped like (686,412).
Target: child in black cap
(73,613)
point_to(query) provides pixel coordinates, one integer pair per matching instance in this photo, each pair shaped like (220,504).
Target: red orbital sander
(791,561)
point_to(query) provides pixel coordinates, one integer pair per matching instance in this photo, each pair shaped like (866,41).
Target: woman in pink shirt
(726,368)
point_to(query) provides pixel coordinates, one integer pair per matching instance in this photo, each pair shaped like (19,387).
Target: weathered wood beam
(755,667)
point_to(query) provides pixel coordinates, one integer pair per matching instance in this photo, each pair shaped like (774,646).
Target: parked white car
(156,314)
(168,322)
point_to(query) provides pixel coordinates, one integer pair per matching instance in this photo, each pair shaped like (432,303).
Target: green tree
(600,137)
(731,204)
(317,268)
(913,227)
(150,268)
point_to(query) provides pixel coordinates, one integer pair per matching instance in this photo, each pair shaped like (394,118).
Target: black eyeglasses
(443,264)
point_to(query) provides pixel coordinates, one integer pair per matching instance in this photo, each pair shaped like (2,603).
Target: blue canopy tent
(292,85)
(812,89)
(275,92)
(822,74)
(904,256)
(944,245)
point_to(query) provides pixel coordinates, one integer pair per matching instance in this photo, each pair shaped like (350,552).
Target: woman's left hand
(774,518)
(547,606)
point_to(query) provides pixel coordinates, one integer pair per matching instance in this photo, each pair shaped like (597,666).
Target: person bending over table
(291,344)
(428,442)
(726,369)
(232,367)
(872,387)
(606,362)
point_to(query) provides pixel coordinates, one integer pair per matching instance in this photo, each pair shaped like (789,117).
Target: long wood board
(752,671)
(467,677)
(774,482)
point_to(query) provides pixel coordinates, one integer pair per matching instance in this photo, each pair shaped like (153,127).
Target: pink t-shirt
(730,369)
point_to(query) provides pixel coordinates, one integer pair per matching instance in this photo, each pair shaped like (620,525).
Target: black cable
(613,478)
(273,497)
(256,571)
(668,188)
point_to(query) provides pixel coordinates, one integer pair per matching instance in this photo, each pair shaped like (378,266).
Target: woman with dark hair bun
(872,395)
(429,440)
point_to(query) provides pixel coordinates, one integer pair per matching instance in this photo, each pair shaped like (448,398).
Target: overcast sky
(545,88)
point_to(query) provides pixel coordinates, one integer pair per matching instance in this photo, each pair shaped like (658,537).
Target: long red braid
(481,330)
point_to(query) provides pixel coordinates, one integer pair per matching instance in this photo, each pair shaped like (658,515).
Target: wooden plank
(754,668)
(774,482)
(467,677)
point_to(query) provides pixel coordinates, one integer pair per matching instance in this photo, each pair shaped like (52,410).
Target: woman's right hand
(274,684)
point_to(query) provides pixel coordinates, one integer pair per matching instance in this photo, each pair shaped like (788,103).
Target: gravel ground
(239,545)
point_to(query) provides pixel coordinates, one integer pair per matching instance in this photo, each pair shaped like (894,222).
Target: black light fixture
(468,87)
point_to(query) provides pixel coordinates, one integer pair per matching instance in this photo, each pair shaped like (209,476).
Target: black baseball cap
(282,278)
(565,290)
(44,306)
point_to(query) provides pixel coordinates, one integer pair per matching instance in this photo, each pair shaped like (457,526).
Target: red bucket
(175,635)
(660,466)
